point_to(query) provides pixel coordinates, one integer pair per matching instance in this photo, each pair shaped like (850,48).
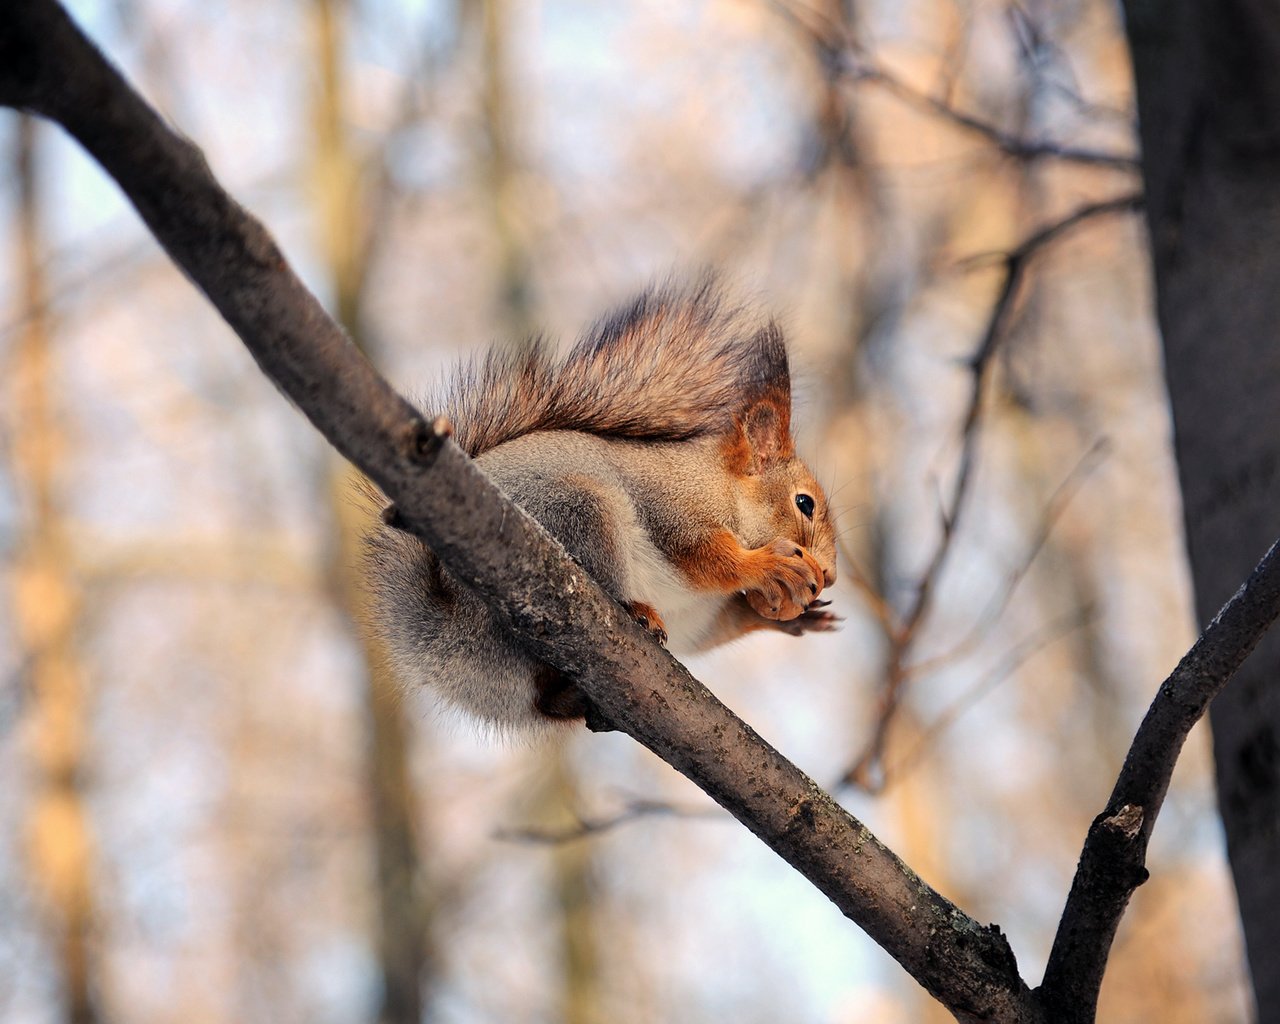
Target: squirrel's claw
(647,615)
(790,581)
(812,620)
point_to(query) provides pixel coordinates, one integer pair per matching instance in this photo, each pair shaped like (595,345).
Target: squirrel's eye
(805,504)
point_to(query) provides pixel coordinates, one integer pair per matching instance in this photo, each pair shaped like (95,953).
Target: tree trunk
(1208,84)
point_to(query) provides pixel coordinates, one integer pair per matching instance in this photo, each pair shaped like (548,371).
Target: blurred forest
(218,808)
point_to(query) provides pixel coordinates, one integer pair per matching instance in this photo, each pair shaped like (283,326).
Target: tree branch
(1112,863)
(636,809)
(862,70)
(49,67)
(842,57)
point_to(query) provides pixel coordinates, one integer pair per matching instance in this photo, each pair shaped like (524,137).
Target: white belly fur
(687,613)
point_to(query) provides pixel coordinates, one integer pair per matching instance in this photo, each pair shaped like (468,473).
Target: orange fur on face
(735,450)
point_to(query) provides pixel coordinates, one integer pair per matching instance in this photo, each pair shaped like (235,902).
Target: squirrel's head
(778,493)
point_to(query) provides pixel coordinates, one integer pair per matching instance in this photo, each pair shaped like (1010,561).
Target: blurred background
(215,807)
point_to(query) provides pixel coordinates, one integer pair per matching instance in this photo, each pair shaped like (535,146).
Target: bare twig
(1041,57)
(1016,264)
(862,70)
(1130,202)
(867,770)
(841,56)
(844,59)
(635,810)
(1047,635)
(48,66)
(1053,511)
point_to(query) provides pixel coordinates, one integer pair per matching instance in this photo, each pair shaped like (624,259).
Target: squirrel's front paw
(647,615)
(792,578)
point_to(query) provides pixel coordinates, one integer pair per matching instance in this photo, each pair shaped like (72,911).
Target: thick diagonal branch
(47,66)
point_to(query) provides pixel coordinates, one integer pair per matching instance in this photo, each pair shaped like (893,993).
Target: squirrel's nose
(828,577)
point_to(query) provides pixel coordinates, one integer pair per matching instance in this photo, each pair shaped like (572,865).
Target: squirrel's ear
(763,435)
(763,428)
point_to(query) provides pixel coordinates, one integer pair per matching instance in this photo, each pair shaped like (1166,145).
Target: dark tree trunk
(1208,84)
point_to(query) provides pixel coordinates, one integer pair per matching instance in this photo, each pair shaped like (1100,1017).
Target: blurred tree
(499,170)
(1208,84)
(503,180)
(349,233)
(47,602)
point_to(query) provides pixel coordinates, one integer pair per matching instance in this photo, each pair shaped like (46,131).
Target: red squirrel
(658,451)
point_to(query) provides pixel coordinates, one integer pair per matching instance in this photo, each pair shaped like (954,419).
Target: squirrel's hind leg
(597,523)
(647,615)
(592,519)
(559,697)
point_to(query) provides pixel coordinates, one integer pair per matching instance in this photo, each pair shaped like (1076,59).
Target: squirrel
(658,451)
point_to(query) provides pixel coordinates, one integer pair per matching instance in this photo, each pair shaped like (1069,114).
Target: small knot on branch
(422,440)
(1127,821)
(800,816)
(391,517)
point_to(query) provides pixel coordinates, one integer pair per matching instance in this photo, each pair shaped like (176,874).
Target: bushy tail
(676,363)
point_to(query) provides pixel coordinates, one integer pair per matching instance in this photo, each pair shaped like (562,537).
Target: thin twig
(842,58)
(863,70)
(1016,264)
(999,602)
(1129,202)
(1015,659)
(867,769)
(635,810)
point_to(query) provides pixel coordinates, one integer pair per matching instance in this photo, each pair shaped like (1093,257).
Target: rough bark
(1208,84)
